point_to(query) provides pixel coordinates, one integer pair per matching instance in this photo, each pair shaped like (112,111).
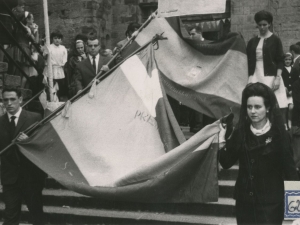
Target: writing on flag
(125,144)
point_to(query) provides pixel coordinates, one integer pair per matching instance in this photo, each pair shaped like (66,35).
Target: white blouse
(59,57)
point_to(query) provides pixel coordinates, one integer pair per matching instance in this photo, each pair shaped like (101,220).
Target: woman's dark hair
(270,101)
(131,28)
(263,15)
(56,34)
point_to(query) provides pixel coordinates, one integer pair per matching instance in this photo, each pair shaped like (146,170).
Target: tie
(94,63)
(12,126)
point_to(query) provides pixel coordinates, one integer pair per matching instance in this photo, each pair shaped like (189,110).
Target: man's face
(93,47)
(12,102)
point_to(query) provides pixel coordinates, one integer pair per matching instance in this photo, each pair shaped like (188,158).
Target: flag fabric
(171,8)
(123,143)
(206,76)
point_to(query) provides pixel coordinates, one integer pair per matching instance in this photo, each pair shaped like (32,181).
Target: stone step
(74,215)
(65,198)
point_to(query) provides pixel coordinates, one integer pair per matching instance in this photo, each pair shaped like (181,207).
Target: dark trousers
(31,194)
(250,213)
(62,87)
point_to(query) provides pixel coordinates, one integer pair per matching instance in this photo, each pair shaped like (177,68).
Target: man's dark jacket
(85,72)
(13,163)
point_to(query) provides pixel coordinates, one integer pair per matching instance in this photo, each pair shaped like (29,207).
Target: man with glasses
(87,69)
(20,178)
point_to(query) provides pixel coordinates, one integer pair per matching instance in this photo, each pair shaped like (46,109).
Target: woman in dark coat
(262,146)
(265,57)
(77,56)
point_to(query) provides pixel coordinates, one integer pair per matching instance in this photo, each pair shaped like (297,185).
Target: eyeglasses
(95,46)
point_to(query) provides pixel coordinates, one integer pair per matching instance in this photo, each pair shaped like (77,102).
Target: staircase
(66,207)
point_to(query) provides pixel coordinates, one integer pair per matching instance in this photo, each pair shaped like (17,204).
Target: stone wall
(109,18)
(286,15)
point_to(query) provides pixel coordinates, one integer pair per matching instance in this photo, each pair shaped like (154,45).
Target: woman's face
(288,61)
(30,19)
(80,48)
(263,27)
(256,110)
(57,41)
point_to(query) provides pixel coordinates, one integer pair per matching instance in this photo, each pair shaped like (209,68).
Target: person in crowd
(24,40)
(262,147)
(33,73)
(287,80)
(87,69)
(78,55)
(19,10)
(295,73)
(196,34)
(59,57)
(265,57)
(73,50)
(131,31)
(131,28)
(20,178)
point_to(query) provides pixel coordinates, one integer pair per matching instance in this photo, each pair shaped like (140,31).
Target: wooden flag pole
(74,98)
(49,65)
(129,41)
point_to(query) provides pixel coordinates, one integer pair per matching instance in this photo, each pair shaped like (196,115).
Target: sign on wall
(169,8)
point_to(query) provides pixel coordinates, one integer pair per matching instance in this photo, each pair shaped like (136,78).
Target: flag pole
(47,33)
(34,126)
(151,17)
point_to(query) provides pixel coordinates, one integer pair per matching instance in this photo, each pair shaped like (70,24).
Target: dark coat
(295,72)
(264,163)
(287,79)
(85,73)
(272,55)
(296,101)
(13,163)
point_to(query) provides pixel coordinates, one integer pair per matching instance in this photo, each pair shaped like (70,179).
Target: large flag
(168,8)
(121,142)
(206,76)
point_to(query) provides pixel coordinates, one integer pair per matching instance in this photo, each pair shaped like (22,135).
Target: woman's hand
(276,83)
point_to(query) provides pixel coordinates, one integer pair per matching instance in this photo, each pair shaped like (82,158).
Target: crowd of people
(267,153)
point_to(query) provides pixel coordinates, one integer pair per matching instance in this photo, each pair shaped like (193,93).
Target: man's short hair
(56,34)
(295,48)
(12,89)
(132,27)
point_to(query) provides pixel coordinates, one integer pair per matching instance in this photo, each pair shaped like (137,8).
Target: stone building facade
(109,18)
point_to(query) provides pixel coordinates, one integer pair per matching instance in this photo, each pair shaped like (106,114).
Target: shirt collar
(259,132)
(296,58)
(17,115)
(96,57)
